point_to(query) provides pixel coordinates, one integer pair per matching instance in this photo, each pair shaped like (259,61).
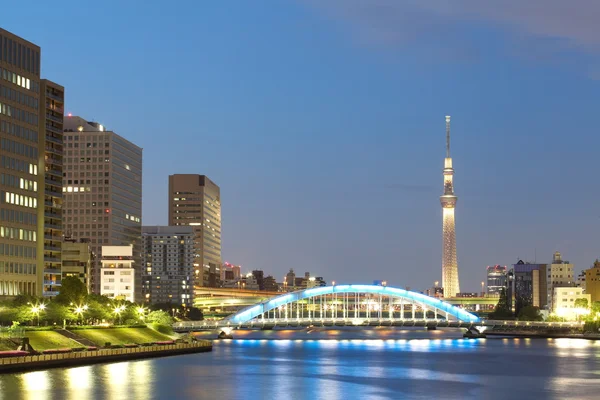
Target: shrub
(130,345)
(107,344)
(78,349)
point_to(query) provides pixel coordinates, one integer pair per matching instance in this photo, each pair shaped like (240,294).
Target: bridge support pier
(431,328)
(225,333)
(473,333)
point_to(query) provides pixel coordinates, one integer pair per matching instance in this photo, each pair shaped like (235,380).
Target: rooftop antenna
(447,136)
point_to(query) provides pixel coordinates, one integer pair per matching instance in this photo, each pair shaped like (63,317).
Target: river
(337,364)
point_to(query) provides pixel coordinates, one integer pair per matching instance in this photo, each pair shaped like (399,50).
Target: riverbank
(89,357)
(545,335)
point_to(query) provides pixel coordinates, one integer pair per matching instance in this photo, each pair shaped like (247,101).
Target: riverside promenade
(88,357)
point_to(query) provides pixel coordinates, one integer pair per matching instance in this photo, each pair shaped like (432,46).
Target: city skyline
(371,116)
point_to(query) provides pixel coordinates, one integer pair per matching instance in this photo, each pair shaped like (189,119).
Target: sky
(323,123)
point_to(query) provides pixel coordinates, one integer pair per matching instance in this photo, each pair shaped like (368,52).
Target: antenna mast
(447,136)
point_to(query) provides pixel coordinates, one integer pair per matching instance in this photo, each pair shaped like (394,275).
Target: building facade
(529,285)
(559,274)
(565,302)
(230,272)
(76,260)
(102,191)
(592,281)
(52,103)
(168,264)
(117,275)
(496,280)
(450,281)
(195,200)
(22,150)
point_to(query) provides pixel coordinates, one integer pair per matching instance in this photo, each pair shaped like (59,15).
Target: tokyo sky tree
(448,200)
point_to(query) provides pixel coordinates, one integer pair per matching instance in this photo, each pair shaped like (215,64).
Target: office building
(259,275)
(270,284)
(195,200)
(565,302)
(580,281)
(102,191)
(529,285)
(560,274)
(230,272)
(22,150)
(52,100)
(117,276)
(592,281)
(496,280)
(450,281)
(76,260)
(168,264)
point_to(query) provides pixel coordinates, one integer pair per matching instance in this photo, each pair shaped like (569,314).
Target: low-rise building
(117,276)
(565,302)
(76,260)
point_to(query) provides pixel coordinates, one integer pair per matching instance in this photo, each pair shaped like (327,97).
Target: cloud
(537,28)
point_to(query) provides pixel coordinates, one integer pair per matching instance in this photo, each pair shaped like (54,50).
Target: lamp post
(118,311)
(142,312)
(482,289)
(36,309)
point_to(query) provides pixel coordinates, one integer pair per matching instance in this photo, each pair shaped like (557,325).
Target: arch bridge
(342,305)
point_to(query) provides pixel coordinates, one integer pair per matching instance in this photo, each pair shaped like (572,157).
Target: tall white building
(117,277)
(448,200)
(168,258)
(564,302)
(559,274)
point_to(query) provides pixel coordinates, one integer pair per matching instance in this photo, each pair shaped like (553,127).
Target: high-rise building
(592,281)
(496,280)
(450,281)
(560,274)
(168,264)
(195,200)
(22,149)
(117,275)
(76,260)
(52,100)
(529,285)
(102,191)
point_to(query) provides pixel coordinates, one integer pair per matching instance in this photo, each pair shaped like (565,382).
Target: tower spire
(447,136)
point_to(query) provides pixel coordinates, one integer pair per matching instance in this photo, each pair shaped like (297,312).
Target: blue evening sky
(323,122)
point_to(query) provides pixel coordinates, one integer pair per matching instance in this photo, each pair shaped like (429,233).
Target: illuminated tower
(448,200)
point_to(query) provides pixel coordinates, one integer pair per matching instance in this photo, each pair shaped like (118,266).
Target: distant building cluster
(71,205)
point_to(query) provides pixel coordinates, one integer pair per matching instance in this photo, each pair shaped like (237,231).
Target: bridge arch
(405,298)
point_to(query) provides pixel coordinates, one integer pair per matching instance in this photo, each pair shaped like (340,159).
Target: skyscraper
(22,150)
(102,192)
(195,200)
(496,280)
(52,99)
(448,200)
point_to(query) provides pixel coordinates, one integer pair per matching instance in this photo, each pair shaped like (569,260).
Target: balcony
(53,238)
(53,182)
(54,150)
(52,226)
(55,97)
(54,140)
(52,248)
(51,192)
(52,215)
(53,129)
(52,204)
(55,172)
(50,293)
(55,119)
(52,283)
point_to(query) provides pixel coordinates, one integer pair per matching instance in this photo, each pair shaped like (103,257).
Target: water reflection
(387,365)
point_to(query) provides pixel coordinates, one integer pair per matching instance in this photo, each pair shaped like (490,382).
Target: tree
(159,317)
(530,313)
(194,314)
(502,311)
(581,303)
(72,290)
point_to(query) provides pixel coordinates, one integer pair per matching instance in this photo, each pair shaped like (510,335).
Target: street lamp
(118,311)
(142,312)
(482,289)
(384,283)
(332,283)
(36,309)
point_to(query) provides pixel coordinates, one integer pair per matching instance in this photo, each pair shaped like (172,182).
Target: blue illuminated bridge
(342,305)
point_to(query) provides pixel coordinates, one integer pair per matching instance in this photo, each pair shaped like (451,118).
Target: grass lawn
(44,340)
(6,344)
(121,335)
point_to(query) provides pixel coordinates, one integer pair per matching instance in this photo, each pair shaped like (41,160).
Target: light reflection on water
(375,364)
